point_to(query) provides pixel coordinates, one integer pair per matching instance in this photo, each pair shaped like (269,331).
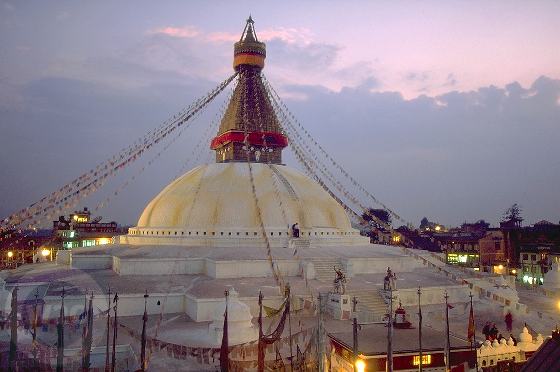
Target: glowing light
(514,271)
(558,304)
(360,365)
(426,360)
(500,267)
(10,254)
(103,241)
(75,218)
(438,228)
(45,252)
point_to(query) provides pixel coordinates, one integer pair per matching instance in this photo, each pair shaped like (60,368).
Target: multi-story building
(461,248)
(23,246)
(492,253)
(531,249)
(80,230)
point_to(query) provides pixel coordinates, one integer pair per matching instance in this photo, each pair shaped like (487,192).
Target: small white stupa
(240,327)
(526,342)
(552,278)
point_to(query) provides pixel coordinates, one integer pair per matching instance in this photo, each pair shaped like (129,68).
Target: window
(525,256)
(533,257)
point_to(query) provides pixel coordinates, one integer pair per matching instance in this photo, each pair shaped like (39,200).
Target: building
(531,249)
(80,230)
(372,350)
(461,247)
(492,253)
(18,247)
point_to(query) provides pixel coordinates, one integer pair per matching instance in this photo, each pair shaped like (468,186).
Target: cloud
(179,32)
(288,35)
(457,156)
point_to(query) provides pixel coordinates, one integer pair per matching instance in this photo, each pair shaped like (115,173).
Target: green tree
(512,214)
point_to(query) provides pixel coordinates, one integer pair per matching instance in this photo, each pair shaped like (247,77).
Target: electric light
(75,218)
(45,252)
(558,304)
(514,271)
(500,267)
(10,254)
(103,241)
(438,228)
(360,365)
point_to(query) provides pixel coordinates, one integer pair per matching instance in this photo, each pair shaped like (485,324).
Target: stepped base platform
(191,280)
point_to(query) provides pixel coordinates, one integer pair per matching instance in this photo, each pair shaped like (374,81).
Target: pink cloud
(287,35)
(179,32)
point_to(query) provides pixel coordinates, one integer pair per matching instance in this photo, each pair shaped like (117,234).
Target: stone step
(369,301)
(324,268)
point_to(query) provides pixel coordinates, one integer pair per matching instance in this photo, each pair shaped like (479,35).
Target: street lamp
(10,254)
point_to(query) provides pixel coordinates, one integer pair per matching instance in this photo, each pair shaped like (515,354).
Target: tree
(513,214)
(424,223)
(376,215)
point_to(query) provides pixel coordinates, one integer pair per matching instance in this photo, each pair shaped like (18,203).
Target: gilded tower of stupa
(249,130)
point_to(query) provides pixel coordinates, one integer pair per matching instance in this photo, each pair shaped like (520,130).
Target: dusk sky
(443,109)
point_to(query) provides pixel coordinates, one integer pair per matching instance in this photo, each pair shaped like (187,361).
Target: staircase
(299,243)
(371,306)
(324,268)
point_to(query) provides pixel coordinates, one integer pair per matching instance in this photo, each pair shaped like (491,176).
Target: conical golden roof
(249,130)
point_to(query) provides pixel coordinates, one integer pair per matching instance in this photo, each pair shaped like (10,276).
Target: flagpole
(88,339)
(290,326)
(389,362)
(35,329)
(13,326)
(108,332)
(115,328)
(320,334)
(355,332)
(224,349)
(447,341)
(260,352)
(473,343)
(60,344)
(419,330)
(143,362)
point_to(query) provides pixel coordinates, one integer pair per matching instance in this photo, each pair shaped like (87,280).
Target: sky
(443,109)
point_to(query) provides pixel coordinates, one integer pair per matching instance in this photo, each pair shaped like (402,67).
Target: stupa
(229,224)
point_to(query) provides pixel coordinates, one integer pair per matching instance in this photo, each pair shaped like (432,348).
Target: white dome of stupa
(219,196)
(225,201)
